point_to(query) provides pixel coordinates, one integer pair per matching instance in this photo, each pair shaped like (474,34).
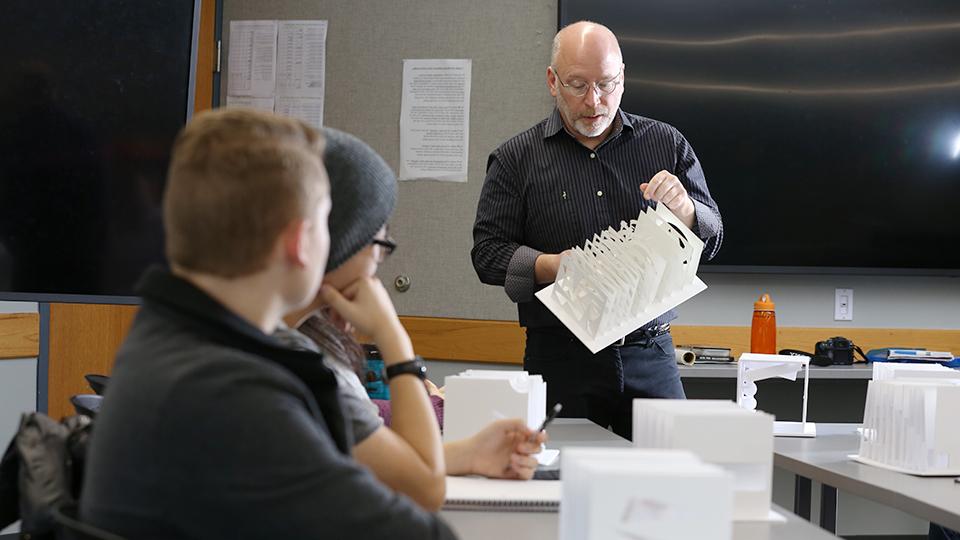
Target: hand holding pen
(550,416)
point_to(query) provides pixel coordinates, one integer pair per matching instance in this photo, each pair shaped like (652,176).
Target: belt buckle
(620,342)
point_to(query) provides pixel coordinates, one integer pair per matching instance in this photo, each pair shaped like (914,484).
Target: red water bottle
(763,330)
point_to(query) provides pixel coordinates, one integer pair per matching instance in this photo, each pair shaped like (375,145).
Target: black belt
(643,335)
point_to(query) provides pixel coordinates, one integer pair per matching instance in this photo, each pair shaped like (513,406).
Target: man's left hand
(666,189)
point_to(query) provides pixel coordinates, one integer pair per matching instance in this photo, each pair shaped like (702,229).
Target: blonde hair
(237,179)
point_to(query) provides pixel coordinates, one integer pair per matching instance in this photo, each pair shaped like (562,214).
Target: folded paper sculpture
(476,397)
(630,493)
(718,432)
(620,280)
(909,425)
(753,368)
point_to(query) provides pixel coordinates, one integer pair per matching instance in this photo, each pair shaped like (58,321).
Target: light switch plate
(843,305)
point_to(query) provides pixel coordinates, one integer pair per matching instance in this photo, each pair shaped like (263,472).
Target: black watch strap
(411,367)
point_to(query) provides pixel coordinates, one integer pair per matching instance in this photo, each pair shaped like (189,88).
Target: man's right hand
(547,266)
(366,305)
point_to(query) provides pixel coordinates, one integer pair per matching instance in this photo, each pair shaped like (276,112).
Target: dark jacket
(212,429)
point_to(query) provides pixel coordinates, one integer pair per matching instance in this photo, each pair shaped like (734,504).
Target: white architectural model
(718,432)
(883,371)
(757,367)
(477,397)
(620,280)
(629,493)
(909,425)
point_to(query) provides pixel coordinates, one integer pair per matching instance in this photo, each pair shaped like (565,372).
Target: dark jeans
(602,386)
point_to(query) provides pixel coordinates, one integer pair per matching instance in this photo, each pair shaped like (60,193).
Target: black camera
(838,349)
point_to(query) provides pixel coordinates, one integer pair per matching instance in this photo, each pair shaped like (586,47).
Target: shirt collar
(185,300)
(187,304)
(553,125)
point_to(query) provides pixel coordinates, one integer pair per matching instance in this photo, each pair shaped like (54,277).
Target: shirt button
(599,193)
(593,155)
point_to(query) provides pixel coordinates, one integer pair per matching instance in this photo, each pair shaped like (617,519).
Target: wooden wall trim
(738,337)
(471,340)
(474,340)
(206,57)
(19,335)
(85,338)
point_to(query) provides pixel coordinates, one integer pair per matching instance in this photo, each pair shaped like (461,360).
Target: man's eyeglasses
(387,247)
(578,88)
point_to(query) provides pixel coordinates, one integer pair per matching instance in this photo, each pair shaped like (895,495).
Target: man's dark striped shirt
(545,192)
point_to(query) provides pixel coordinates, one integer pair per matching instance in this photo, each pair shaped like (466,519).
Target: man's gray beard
(598,131)
(565,113)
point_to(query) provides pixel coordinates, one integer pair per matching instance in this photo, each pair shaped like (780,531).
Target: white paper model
(909,425)
(620,280)
(476,397)
(883,371)
(629,493)
(757,367)
(718,432)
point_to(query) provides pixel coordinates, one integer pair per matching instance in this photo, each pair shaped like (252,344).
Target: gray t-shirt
(360,411)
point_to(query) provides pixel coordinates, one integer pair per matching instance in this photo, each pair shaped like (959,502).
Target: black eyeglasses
(387,247)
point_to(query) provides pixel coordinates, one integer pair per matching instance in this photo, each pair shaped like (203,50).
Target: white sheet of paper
(547,456)
(263,104)
(310,110)
(435,120)
(301,59)
(252,69)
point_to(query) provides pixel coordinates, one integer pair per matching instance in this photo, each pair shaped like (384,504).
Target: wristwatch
(410,367)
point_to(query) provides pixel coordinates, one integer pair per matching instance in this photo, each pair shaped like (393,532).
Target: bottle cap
(765,303)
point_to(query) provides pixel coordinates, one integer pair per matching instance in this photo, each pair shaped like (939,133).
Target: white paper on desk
(301,59)
(262,104)
(310,110)
(252,67)
(435,120)
(620,280)
(547,456)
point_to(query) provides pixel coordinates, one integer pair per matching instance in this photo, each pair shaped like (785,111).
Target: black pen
(550,416)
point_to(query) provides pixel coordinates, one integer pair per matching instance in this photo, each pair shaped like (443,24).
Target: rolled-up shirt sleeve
(521,283)
(498,254)
(708,225)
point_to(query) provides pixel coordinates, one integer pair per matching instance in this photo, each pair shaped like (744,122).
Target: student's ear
(296,242)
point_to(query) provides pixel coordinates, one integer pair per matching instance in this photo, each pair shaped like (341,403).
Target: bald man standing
(586,167)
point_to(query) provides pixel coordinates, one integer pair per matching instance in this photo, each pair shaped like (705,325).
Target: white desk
(825,460)
(471,525)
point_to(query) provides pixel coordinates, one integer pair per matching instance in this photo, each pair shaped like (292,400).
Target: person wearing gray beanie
(407,456)
(363,190)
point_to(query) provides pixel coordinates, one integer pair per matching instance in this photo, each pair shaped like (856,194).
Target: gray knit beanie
(363,190)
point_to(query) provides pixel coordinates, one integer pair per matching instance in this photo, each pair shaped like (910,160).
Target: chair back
(88,404)
(98,383)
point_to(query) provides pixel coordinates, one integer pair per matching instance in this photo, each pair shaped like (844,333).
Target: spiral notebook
(475,493)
